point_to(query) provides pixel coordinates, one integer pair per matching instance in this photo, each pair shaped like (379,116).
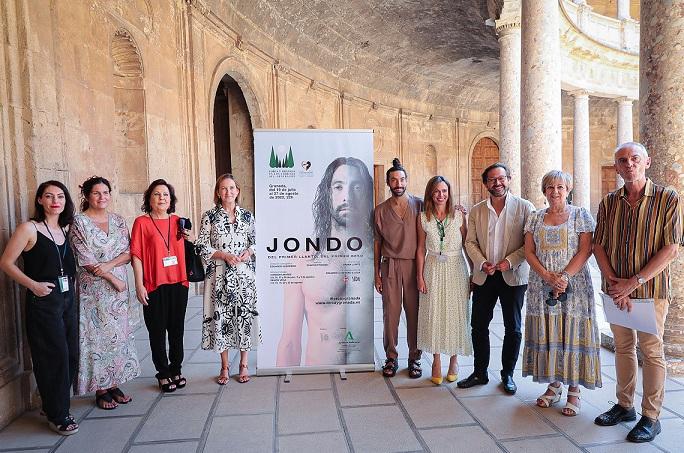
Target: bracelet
(565,276)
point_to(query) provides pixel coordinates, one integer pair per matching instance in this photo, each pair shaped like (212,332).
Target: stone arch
(129,136)
(478,159)
(241,164)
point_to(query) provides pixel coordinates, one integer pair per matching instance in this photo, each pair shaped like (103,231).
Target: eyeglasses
(562,297)
(499,179)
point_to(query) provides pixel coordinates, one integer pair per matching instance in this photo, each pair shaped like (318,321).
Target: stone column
(623,9)
(624,120)
(662,126)
(581,195)
(509,99)
(540,97)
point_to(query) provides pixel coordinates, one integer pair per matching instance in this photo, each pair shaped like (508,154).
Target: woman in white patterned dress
(226,243)
(107,352)
(443,280)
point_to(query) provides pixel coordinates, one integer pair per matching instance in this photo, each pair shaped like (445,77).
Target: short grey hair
(554,175)
(636,145)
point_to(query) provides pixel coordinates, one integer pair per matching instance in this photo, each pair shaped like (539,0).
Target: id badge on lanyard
(63,283)
(168,261)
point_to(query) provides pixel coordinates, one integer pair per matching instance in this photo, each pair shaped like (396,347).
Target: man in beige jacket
(495,246)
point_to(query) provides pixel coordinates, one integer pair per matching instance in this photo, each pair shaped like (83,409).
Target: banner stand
(342,369)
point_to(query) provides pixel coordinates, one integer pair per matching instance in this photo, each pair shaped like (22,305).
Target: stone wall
(125,89)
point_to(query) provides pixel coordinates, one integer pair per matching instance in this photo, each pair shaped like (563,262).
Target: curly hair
(87,187)
(322,204)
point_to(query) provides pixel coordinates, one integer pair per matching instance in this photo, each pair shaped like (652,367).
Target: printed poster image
(314,204)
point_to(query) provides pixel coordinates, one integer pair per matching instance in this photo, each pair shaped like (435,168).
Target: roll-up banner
(314,234)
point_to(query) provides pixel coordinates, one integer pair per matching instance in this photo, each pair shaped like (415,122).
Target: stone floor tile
(28,431)
(623,447)
(147,367)
(324,442)
(581,428)
(141,333)
(204,356)
(402,349)
(144,392)
(363,389)
(378,328)
(195,301)
(306,382)
(246,433)
(493,388)
(671,436)
(402,379)
(307,412)
(609,370)
(201,378)
(177,417)
(368,435)
(169,447)
(674,401)
(464,439)
(111,435)
(256,396)
(81,406)
(433,406)
(192,339)
(519,421)
(541,445)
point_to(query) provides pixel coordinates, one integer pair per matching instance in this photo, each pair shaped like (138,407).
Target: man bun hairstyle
(396,166)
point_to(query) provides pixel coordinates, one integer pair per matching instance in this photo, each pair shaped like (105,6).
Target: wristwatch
(640,279)
(565,276)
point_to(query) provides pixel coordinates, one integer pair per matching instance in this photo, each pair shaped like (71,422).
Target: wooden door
(608,179)
(486,153)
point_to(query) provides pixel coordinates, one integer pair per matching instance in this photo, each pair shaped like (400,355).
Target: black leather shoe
(508,384)
(615,415)
(472,381)
(644,431)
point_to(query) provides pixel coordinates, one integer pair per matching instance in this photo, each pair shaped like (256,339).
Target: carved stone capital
(199,5)
(280,68)
(507,27)
(578,93)
(625,100)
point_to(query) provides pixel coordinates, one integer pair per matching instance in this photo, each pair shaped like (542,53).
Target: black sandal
(166,385)
(107,398)
(180,381)
(119,396)
(414,369)
(390,368)
(66,428)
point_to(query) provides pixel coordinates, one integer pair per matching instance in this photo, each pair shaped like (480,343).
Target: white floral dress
(444,312)
(229,291)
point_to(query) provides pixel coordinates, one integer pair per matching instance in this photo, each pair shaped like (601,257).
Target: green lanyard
(441,226)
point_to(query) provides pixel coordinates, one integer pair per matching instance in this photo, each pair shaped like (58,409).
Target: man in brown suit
(395,268)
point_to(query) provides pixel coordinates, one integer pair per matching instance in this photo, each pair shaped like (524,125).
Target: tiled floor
(323,413)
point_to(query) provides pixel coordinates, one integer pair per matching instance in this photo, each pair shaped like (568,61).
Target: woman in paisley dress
(226,243)
(100,241)
(561,335)
(443,280)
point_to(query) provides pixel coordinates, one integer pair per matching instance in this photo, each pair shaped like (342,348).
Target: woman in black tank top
(48,276)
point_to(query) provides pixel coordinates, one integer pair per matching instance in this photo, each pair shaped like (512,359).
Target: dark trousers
(165,312)
(52,333)
(484,301)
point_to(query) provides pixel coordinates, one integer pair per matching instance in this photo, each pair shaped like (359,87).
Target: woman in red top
(161,283)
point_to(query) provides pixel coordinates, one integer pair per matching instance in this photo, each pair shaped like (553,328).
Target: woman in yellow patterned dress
(443,280)
(561,336)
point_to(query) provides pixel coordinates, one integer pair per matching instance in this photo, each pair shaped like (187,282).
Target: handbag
(193,263)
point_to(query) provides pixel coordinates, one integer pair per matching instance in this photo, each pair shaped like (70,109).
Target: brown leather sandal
(223,377)
(390,368)
(243,378)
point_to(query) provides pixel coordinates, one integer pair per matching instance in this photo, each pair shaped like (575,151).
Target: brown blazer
(517,212)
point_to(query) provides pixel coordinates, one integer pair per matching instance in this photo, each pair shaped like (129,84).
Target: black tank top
(41,263)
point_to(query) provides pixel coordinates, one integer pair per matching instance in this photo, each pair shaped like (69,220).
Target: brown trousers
(399,285)
(626,365)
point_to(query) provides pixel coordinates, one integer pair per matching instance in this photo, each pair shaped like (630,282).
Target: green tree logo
(287,162)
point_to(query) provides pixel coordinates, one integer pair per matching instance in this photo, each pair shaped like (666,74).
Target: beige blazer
(517,212)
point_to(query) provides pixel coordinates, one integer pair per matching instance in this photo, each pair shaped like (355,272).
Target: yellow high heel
(452,377)
(436,380)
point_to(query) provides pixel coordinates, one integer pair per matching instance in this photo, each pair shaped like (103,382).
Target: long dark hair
(87,187)
(429,205)
(66,216)
(396,166)
(147,207)
(322,204)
